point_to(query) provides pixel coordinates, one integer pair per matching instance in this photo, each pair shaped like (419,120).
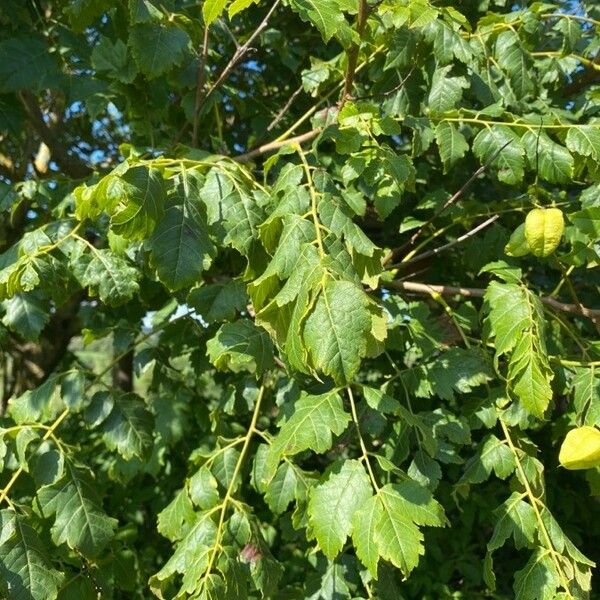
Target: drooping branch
(450,290)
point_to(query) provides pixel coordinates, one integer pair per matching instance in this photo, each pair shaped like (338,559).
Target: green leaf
(80,520)
(445,91)
(364,525)
(83,12)
(112,58)
(516,518)
(238,6)
(538,580)
(492,455)
(451,143)
(312,424)
(26,314)
(143,11)
(175,520)
(79,588)
(587,221)
(333,503)
(516,318)
(503,140)
(586,396)
(25,566)
(282,488)
(203,489)
(223,466)
(513,59)
(141,203)
(109,276)
(212,10)
(158,47)
(128,427)
(40,405)
(584,140)
(190,558)
(230,204)
(335,331)
(336,216)
(241,345)
(399,509)
(25,63)
(456,370)
(552,161)
(327,16)
(181,247)
(218,301)
(448,44)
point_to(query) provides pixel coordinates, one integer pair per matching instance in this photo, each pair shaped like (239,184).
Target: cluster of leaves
(231,374)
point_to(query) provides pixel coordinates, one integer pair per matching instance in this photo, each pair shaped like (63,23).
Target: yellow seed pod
(581,449)
(543,230)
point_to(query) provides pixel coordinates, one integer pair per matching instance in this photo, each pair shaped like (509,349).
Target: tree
(299,299)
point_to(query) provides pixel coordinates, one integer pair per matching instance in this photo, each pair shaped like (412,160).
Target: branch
(238,55)
(200,87)
(272,146)
(70,164)
(452,200)
(449,245)
(287,106)
(449,290)
(361,21)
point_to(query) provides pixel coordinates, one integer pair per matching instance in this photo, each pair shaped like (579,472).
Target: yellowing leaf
(543,230)
(581,449)
(212,9)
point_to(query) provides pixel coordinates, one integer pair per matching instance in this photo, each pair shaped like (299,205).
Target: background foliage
(260,334)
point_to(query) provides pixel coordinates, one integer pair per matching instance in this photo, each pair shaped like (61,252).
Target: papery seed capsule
(543,230)
(581,449)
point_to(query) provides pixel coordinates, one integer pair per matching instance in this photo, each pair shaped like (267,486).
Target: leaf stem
(365,454)
(313,199)
(533,500)
(228,494)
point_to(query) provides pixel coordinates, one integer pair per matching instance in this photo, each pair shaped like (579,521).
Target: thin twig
(389,92)
(449,290)
(239,53)
(228,31)
(200,86)
(449,245)
(452,200)
(287,106)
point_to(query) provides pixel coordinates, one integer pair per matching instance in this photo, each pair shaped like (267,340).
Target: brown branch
(361,21)
(70,164)
(449,290)
(272,146)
